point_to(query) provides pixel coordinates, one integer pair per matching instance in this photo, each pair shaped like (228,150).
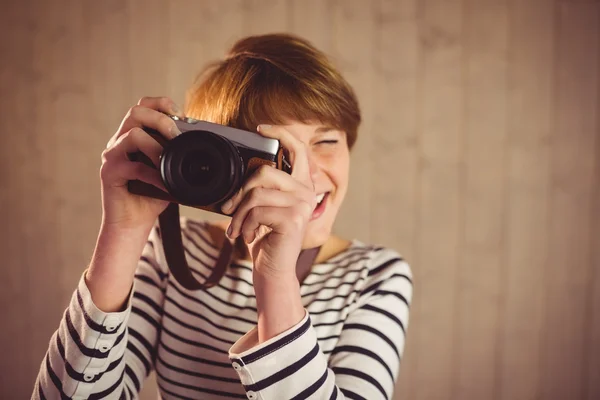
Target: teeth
(320,197)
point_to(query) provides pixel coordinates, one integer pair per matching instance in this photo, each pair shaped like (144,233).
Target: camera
(208,163)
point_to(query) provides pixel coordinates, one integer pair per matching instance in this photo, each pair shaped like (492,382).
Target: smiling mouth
(320,198)
(321,205)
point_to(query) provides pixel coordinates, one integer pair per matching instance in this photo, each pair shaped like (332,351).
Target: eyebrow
(324,129)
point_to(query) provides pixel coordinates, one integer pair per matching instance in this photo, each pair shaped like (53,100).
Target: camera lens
(200,168)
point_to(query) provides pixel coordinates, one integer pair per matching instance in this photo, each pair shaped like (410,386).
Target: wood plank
(149,30)
(18,77)
(265,16)
(592,343)
(579,1)
(573,157)
(312,20)
(440,219)
(352,52)
(484,197)
(527,222)
(43,204)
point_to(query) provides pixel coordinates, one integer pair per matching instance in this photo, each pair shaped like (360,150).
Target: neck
(332,247)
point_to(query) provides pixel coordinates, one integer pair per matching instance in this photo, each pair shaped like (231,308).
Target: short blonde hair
(274,78)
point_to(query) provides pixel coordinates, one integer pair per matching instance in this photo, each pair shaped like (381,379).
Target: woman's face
(329,161)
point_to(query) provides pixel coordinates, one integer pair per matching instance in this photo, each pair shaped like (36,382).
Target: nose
(313,166)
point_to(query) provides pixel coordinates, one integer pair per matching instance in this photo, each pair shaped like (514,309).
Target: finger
(141,116)
(134,141)
(281,220)
(163,104)
(296,149)
(269,178)
(259,197)
(117,174)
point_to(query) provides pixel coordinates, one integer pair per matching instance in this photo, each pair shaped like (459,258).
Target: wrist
(268,276)
(271,284)
(126,231)
(116,247)
(279,304)
(111,271)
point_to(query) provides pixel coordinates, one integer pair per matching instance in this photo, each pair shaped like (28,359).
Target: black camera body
(208,163)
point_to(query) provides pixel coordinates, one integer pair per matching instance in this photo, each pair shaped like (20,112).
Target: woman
(266,330)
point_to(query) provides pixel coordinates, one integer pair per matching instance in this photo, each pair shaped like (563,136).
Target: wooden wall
(479,160)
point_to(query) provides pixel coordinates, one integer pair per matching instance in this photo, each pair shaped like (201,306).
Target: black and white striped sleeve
(366,359)
(96,355)
(363,365)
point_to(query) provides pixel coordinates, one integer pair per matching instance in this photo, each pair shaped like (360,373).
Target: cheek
(336,166)
(341,173)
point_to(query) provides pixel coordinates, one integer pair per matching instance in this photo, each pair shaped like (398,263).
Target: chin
(315,236)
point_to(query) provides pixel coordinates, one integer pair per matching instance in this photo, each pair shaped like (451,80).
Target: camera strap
(170,232)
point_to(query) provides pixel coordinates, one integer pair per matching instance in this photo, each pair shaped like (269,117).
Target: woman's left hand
(272,209)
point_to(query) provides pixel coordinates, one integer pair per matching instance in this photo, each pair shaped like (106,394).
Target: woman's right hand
(127,218)
(123,210)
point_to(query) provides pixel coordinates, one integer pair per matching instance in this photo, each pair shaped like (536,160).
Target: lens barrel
(200,168)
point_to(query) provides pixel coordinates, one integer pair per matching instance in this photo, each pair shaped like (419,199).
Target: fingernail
(229,232)
(227,205)
(174,131)
(175,109)
(264,127)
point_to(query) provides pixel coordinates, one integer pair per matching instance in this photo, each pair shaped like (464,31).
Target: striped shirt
(204,344)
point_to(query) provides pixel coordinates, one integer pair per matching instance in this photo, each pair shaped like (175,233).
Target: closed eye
(331,141)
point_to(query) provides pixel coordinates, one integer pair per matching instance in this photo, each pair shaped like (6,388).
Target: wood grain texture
(18,145)
(483,186)
(265,16)
(311,19)
(573,154)
(592,340)
(593,308)
(531,52)
(439,214)
(42,185)
(478,160)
